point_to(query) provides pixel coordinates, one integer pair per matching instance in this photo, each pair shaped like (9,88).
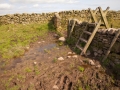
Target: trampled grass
(15,38)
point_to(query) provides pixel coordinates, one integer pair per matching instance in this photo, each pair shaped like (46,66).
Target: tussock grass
(15,38)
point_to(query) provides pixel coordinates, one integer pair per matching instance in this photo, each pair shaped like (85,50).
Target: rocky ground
(48,66)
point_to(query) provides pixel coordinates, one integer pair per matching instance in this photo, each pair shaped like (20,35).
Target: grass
(14,39)
(79,88)
(37,72)
(16,87)
(28,70)
(47,51)
(55,60)
(81,69)
(72,65)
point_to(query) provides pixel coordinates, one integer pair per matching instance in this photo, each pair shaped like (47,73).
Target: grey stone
(55,87)
(74,56)
(68,56)
(56,35)
(60,58)
(62,39)
(35,63)
(95,49)
(98,66)
(91,62)
(95,54)
(69,53)
(100,51)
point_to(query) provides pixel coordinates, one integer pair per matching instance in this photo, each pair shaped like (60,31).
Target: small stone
(69,53)
(98,66)
(43,41)
(95,49)
(100,51)
(68,56)
(35,63)
(91,62)
(60,58)
(27,48)
(56,35)
(55,87)
(95,54)
(117,61)
(74,56)
(58,48)
(73,53)
(39,42)
(62,39)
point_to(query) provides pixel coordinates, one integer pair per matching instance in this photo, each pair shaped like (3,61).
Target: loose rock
(62,39)
(95,54)
(56,35)
(98,66)
(91,62)
(74,56)
(100,51)
(27,48)
(60,58)
(55,87)
(39,42)
(69,53)
(95,49)
(68,56)
(35,63)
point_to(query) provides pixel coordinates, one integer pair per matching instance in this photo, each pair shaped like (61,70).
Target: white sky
(39,6)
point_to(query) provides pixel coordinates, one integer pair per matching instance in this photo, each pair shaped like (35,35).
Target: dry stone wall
(26,18)
(100,43)
(83,15)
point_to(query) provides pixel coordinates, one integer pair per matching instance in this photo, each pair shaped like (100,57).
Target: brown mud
(39,69)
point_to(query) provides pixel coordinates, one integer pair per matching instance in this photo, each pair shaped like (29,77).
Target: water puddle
(14,63)
(28,55)
(46,47)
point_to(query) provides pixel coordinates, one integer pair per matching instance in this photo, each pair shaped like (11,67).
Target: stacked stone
(26,18)
(101,43)
(83,15)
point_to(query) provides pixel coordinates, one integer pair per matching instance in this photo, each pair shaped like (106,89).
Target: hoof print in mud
(64,83)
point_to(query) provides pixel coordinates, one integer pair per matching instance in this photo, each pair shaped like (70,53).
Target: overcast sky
(39,6)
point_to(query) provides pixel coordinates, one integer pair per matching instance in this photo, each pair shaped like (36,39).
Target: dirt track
(39,69)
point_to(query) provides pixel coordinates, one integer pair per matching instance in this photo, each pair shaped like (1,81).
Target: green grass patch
(37,72)
(55,60)
(28,70)
(15,38)
(81,69)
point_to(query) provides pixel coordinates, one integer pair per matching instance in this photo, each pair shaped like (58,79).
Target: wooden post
(103,15)
(73,25)
(112,43)
(93,14)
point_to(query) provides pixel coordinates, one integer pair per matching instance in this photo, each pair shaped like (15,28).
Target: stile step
(92,25)
(89,33)
(83,40)
(79,47)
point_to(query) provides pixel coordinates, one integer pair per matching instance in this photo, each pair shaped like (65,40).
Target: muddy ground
(40,69)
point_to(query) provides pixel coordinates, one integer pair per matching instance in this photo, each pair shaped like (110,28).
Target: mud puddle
(30,55)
